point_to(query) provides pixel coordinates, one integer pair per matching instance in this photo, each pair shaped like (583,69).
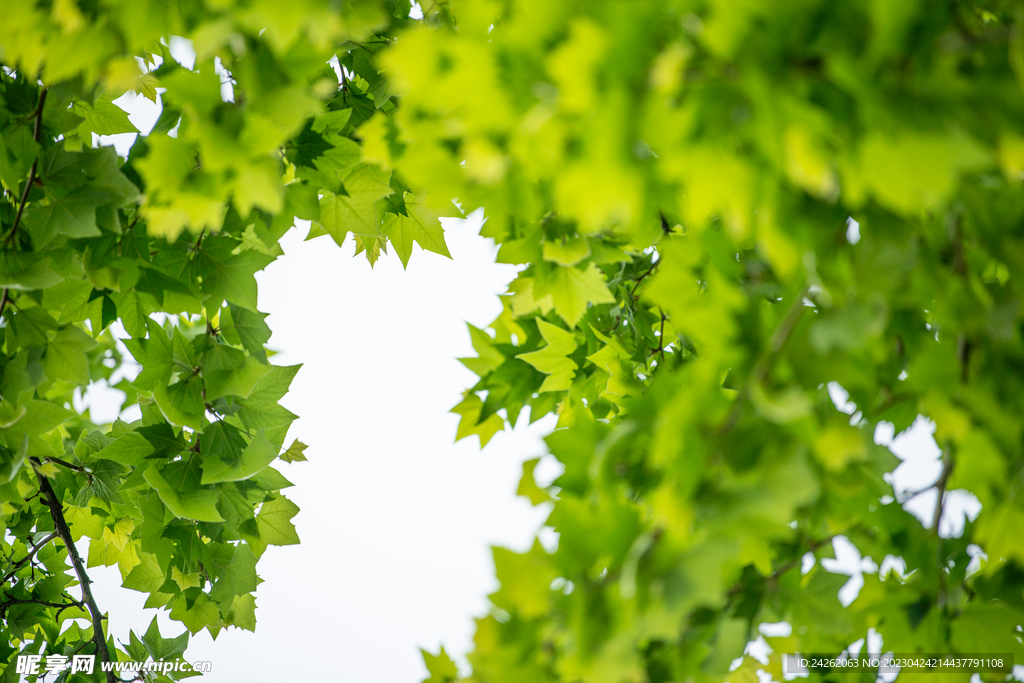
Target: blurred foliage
(719,209)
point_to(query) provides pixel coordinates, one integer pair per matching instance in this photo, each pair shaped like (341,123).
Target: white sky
(396,518)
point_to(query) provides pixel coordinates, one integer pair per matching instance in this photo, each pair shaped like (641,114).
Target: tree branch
(49,497)
(772,579)
(632,292)
(32,601)
(65,463)
(940,485)
(20,563)
(947,467)
(911,495)
(3,302)
(32,172)
(661,338)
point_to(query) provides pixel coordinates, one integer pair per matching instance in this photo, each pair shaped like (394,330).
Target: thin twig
(772,579)
(20,563)
(909,496)
(963,355)
(947,467)
(49,497)
(198,243)
(32,172)
(31,601)
(781,334)
(661,337)
(778,340)
(632,292)
(65,463)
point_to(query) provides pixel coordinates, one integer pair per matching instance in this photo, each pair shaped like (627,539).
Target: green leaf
(274,521)
(525,581)
(440,667)
(528,485)
(470,410)
(567,253)
(257,455)
(202,614)
(163,649)
(551,360)
(147,576)
(420,225)
(190,503)
(571,290)
(228,276)
(163,439)
(73,214)
(355,210)
(253,333)
(238,578)
(295,453)
(242,613)
(488,357)
(66,355)
(130,450)
(103,117)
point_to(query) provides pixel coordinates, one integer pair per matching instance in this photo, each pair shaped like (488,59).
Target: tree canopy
(720,208)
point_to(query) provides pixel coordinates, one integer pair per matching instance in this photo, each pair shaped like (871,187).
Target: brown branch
(947,467)
(32,172)
(49,497)
(32,601)
(198,243)
(20,563)
(911,495)
(772,579)
(632,292)
(65,463)
(963,355)
(3,301)
(661,339)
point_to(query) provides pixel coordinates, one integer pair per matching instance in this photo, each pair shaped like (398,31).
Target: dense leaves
(720,210)
(140,272)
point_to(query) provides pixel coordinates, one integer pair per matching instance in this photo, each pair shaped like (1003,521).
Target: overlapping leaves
(154,258)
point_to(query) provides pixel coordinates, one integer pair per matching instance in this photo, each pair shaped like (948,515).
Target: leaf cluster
(140,273)
(721,210)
